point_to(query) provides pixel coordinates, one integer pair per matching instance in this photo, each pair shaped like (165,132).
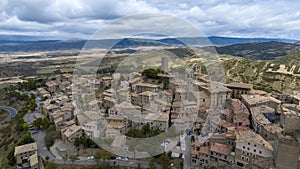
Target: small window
(249,144)
(254,145)
(254,150)
(243,147)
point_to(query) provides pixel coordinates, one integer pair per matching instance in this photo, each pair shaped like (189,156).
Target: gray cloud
(73,18)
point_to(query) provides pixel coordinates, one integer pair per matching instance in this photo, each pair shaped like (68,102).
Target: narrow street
(187,153)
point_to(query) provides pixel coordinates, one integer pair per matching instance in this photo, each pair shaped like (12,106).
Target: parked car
(34,132)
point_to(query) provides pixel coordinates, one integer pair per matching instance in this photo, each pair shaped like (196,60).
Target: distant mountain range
(17,43)
(259,50)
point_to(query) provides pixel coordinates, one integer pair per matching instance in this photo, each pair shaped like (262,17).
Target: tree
(105,155)
(73,158)
(25,126)
(164,161)
(26,139)
(37,123)
(51,165)
(97,157)
(50,136)
(102,154)
(11,158)
(139,166)
(152,165)
(181,164)
(45,123)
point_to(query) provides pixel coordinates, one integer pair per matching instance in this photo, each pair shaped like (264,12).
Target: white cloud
(73,18)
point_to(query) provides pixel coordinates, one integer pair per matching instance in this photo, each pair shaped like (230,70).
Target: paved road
(12,113)
(111,162)
(187,153)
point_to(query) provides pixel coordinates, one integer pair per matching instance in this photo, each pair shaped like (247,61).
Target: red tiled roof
(204,150)
(51,83)
(242,128)
(194,152)
(174,116)
(221,148)
(244,121)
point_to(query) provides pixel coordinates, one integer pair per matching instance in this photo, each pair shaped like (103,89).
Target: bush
(10,157)
(50,137)
(26,139)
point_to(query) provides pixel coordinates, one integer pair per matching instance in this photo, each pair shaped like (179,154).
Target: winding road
(12,113)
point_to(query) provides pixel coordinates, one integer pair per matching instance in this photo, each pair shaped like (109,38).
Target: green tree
(102,154)
(25,126)
(164,161)
(11,158)
(73,158)
(152,165)
(46,123)
(50,136)
(97,157)
(26,139)
(139,166)
(37,123)
(51,165)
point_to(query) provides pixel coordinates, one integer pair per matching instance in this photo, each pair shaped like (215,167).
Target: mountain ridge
(49,45)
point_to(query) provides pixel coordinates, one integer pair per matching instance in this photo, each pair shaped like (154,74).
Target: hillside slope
(259,51)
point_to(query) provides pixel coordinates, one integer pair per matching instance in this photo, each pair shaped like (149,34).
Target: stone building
(238,89)
(253,151)
(24,155)
(286,152)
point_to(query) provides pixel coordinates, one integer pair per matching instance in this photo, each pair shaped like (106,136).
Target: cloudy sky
(72,19)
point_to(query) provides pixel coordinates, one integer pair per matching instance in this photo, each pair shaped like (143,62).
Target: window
(254,150)
(248,148)
(254,145)
(249,144)
(243,147)
(259,152)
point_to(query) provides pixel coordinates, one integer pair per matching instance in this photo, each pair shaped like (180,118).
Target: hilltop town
(211,123)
